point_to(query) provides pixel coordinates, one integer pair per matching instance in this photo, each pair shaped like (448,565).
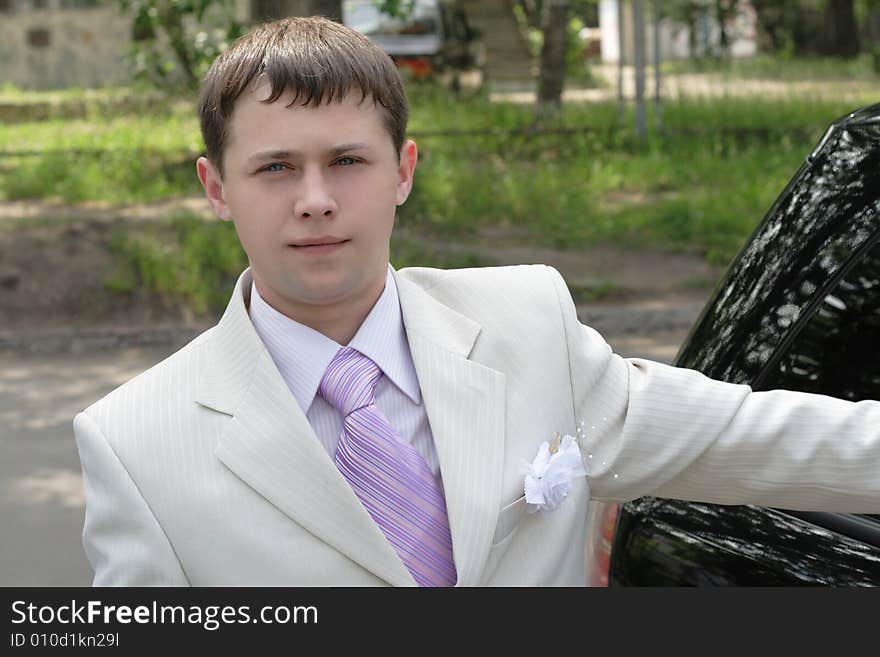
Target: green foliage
(175,41)
(702,190)
(182,258)
(576,65)
(531,12)
(803,27)
(396,8)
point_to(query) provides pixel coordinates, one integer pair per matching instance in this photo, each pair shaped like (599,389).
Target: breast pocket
(508,519)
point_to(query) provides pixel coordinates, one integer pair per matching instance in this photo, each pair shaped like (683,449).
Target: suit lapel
(465,404)
(269,444)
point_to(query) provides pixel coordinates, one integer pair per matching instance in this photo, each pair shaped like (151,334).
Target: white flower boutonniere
(548,477)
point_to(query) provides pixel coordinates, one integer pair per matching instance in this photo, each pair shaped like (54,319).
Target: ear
(213,184)
(409,155)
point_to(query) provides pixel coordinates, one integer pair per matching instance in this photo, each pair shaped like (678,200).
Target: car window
(836,351)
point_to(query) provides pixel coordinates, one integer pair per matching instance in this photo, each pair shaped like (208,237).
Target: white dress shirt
(302,355)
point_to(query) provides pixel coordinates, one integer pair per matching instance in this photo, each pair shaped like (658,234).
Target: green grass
(182,257)
(114,159)
(702,192)
(22,106)
(769,67)
(10,93)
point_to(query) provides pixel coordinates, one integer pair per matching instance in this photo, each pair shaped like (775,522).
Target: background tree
(552,74)
(329,8)
(689,13)
(176,40)
(842,36)
(813,27)
(693,12)
(772,17)
(267,10)
(532,11)
(871,30)
(552,29)
(725,11)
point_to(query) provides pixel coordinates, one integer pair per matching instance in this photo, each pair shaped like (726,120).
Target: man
(349,424)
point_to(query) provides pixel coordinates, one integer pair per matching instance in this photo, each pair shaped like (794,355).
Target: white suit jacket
(203,470)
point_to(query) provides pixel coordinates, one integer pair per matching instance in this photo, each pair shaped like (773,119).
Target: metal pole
(658,105)
(639,57)
(621,98)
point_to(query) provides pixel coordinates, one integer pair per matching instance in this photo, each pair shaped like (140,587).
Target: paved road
(41,500)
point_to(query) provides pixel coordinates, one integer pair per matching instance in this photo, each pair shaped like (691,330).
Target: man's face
(313,194)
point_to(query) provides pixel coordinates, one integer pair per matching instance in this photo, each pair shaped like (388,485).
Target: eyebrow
(287,154)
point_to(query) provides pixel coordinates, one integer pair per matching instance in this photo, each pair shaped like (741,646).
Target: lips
(319,245)
(318,241)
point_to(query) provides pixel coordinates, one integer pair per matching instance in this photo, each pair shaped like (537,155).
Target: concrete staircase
(509,65)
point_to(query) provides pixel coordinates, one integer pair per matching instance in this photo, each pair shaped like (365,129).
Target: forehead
(256,124)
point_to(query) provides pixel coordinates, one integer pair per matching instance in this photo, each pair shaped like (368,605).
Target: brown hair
(314,59)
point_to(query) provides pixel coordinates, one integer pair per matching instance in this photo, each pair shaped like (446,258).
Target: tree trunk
(267,10)
(532,12)
(552,76)
(872,33)
(721,14)
(330,8)
(692,23)
(843,33)
(770,17)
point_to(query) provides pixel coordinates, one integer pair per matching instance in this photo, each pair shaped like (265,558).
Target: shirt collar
(302,354)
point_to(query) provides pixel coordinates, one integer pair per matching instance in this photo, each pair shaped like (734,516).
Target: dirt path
(54,261)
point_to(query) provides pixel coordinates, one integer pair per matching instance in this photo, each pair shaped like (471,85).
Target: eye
(275,167)
(346,161)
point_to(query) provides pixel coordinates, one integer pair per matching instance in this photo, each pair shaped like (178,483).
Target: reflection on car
(799,309)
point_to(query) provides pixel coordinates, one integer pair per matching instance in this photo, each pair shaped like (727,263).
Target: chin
(328,290)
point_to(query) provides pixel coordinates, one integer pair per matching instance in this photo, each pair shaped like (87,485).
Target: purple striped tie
(389,477)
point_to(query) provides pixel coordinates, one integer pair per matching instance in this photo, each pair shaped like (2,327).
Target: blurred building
(47,44)
(678,40)
(51,44)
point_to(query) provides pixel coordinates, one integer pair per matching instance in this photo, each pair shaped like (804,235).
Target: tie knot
(349,381)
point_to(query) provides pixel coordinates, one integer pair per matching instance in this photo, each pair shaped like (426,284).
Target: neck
(338,321)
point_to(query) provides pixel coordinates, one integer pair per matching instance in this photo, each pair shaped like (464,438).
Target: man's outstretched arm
(658,430)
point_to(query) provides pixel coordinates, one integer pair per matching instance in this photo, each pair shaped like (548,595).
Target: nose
(314,198)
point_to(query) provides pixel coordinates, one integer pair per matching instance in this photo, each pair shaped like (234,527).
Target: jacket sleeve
(123,540)
(672,432)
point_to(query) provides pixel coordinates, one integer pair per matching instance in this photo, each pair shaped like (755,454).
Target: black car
(799,309)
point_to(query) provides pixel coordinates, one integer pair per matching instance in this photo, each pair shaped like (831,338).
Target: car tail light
(420,67)
(601,521)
